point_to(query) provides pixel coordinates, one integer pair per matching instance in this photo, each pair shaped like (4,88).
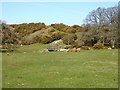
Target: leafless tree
(102,17)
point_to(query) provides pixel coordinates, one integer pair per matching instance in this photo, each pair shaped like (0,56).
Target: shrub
(56,35)
(77,44)
(69,39)
(71,30)
(46,39)
(36,39)
(67,46)
(98,45)
(59,26)
(85,47)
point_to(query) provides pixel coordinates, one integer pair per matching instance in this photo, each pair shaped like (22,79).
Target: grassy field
(27,67)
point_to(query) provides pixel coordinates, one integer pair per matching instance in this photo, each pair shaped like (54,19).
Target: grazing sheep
(69,50)
(109,48)
(74,50)
(113,47)
(78,49)
(88,48)
(64,50)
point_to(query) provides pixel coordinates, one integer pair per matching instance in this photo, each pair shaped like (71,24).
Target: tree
(104,17)
(9,39)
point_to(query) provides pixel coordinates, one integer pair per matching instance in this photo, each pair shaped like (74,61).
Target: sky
(69,13)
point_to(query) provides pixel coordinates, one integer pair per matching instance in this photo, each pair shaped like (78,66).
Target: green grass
(85,69)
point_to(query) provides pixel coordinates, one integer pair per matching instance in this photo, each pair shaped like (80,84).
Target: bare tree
(102,17)
(9,39)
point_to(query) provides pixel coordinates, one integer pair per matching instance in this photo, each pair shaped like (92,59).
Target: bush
(56,35)
(67,46)
(69,39)
(36,39)
(46,39)
(77,44)
(85,47)
(98,45)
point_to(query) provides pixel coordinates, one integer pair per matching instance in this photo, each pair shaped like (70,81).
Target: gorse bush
(98,45)
(46,39)
(68,39)
(28,28)
(77,44)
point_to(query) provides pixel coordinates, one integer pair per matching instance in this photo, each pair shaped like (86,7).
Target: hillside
(40,33)
(101,27)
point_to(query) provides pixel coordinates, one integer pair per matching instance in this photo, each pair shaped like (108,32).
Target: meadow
(27,67)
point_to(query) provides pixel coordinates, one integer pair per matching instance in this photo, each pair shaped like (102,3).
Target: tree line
(99,29)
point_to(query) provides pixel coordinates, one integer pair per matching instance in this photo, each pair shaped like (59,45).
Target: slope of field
(27,67)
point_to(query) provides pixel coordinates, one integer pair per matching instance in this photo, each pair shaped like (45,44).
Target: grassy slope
(94,68)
